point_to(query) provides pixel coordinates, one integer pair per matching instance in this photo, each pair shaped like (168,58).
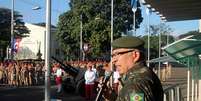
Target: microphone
(104,84)
(120,80)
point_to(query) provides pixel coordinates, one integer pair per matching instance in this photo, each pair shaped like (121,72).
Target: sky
(36,16)
(61,6)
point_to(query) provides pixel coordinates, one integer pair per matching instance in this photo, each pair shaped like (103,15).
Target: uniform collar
(134,69)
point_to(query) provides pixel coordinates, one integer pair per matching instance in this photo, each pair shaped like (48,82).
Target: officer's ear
(136,56)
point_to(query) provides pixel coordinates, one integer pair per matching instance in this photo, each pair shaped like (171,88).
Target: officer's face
(123,59)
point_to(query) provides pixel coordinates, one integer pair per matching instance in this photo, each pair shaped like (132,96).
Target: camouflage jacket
(141,84)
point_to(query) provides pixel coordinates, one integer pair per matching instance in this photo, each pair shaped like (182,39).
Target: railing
(173,93)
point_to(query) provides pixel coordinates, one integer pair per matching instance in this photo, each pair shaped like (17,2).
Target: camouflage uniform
(141,84)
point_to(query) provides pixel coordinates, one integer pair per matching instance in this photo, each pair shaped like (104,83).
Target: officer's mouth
(118,67)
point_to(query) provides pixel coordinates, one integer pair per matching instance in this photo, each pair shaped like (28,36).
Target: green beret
(128,42)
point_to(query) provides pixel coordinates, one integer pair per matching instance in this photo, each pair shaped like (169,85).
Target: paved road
(34,93)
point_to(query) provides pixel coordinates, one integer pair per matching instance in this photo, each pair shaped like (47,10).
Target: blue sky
(60,6)
(35,16)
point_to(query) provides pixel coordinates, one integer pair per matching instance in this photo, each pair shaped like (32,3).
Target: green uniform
(141,84)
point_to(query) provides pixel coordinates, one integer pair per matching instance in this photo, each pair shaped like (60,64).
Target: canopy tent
(163,59)
(187,51)
(176,10)
(188,46)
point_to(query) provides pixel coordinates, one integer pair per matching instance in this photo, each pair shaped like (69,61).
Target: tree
(188,34)
(5,29)
(95,16)
(155,30)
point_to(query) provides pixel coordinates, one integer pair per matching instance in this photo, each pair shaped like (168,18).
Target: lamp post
(81,41)
(112,4)
(134,30)
(47,50)
(134,9)
(36,8)
(159,53)
(148,31)
(81,44)
(12,31)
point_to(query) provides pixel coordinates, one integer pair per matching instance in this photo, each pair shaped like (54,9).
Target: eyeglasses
(120,53)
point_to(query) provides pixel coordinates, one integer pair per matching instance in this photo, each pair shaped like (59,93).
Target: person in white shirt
(58,74)
(89,82)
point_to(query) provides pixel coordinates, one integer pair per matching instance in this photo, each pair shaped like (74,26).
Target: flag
(134,5)
(16,44)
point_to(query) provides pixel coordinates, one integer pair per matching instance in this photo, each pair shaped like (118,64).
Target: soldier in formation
(20,74)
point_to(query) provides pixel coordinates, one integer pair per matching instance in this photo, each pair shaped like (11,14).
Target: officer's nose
(114,60)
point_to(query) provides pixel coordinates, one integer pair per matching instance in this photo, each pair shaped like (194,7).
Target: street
(34,93)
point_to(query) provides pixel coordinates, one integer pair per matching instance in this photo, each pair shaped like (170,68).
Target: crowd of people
(28,73)
(18,73)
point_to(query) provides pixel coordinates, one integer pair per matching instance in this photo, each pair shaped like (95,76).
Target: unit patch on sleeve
(137,97)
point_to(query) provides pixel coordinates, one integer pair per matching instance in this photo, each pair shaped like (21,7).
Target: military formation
(29,73)
(18,73)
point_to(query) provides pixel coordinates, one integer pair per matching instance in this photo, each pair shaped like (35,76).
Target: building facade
(31,46)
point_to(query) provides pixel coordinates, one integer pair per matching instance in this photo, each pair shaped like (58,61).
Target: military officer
(140,82)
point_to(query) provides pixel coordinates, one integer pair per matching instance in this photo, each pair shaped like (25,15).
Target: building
(35,42)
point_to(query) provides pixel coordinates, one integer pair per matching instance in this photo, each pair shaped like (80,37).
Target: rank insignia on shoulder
(137,97)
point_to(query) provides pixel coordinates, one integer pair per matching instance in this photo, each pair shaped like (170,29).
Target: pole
(112,4)
(134,31)
(7,52)
(111,39)
(148,30)
(199,81)
(12,30)
(199,78)
(193,82)
(193,89)
(81,51)
(188,81)
(168,35)
(159,54)
(47,56)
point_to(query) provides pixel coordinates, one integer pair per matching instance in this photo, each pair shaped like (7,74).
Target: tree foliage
(96,18)
(5,29)
(166,38)
(188,34)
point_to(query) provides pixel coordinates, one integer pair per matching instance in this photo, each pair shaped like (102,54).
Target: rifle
(103,86)
(77,82)
(67,68)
